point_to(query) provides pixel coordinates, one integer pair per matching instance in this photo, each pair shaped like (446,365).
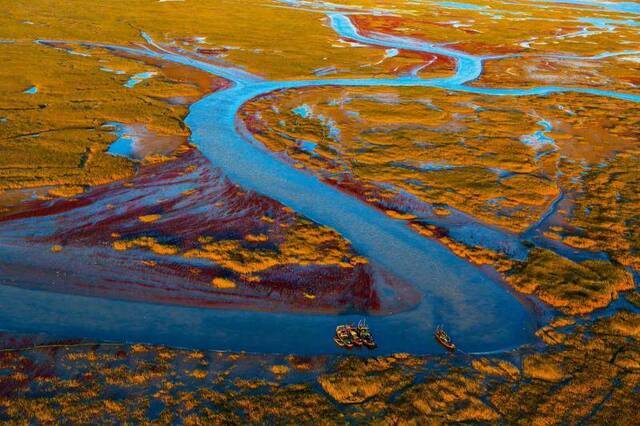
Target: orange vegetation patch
(474,254)
(543,367)
(149,243)
(223,283)
(360,379)
(607,208)
(149,218)
(465,151)
(574,288)
(279,370)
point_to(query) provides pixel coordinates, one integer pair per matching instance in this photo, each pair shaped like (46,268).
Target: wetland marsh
(259,181)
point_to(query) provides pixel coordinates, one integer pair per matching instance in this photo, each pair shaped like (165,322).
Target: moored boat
(443,338)
(355,336)
(347,336)
(342,343)
(343,337)
(365,335)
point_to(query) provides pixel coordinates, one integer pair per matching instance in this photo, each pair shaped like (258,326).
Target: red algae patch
(179,232)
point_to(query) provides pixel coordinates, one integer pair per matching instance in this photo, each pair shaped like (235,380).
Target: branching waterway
(479,311)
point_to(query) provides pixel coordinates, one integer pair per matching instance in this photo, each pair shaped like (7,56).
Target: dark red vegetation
(66,245)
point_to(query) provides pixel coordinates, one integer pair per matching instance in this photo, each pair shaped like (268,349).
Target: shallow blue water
(539,139)
(106,319)
(125,145)
(456,5)
(435,166)
(625,7)
(308,146)
(105,69)
(605,22)
(390,53)
(303,111)
(468,67)
(138,78)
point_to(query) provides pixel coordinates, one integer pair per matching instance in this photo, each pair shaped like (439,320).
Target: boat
(342,343)
(365,334)
(343,337)
(348,335)
(355,336)
(443,338)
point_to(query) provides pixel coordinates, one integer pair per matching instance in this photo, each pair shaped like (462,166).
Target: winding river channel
(480,312)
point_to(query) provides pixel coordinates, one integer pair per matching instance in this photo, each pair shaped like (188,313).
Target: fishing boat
(343,337)
(365,334)
(348,335)
(355,336)
(443,338)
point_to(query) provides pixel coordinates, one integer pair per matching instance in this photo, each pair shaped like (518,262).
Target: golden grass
(150,218)
(441,149)
(574,288)
(223,283)
(607,208)
(276,42)
(593,375)
(634,298)
(305,243)
(279,370)
(55,137)
(625,324)
(260,238)
(351,390)
(149,243)
(543,367)
(66,191)
(454,397)
(498,368)
(358,380)
(474,254)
